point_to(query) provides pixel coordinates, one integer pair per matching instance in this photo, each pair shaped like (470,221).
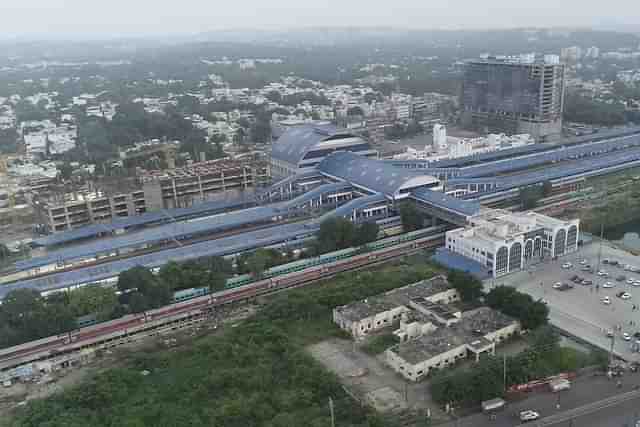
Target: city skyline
(74,19)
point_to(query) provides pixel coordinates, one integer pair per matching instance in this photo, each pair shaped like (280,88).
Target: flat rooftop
(359,310)
(470,331)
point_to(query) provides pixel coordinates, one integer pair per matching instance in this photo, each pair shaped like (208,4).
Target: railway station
(344,180)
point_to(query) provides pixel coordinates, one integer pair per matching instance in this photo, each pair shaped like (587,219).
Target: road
(580,311)
(592,402)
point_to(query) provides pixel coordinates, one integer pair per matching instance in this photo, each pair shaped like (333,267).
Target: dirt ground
(371,381)
(46,385)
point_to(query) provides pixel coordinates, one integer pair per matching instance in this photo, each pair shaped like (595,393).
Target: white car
(602,273)
(630,281)
(607,285)
(636,283)
(567,265)
(606,300)
(557,285)
(626,336)
(529,415)
(624,295)
(584,262)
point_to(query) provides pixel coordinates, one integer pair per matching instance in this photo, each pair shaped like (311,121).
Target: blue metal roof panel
(153,235)
(296,141)
(352,205)
(317,192)
(441,200)
(363,172)
(456,261)
(220,247)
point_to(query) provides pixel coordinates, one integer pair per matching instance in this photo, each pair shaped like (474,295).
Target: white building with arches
(506,242)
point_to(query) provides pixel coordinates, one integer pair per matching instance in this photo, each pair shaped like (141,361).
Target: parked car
(624,295)
(489,406)
(602,273)
(607,285)
(630,281)
(529,415)
(606,300)
(626,336)
(559,384)
(567,265)
(587,282)
(584,262)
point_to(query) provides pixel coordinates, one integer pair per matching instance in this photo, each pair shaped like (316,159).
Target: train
(200,306)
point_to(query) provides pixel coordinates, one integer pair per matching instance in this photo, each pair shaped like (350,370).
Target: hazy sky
(60,18)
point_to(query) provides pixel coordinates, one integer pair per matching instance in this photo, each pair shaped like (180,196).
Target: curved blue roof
(296,141)
(373,175)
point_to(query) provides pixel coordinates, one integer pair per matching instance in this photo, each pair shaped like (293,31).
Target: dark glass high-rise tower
(514,95)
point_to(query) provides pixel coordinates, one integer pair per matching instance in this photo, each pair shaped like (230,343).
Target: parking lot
(587,311)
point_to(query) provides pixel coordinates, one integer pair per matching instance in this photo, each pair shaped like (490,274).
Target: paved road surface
(585,391)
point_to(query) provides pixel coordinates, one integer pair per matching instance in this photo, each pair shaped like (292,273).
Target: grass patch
(379,343)
(257,374)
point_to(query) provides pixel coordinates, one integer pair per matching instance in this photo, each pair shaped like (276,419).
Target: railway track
(109,334)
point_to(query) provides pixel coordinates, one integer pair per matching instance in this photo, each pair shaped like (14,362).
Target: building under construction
(514,95)
(64,209)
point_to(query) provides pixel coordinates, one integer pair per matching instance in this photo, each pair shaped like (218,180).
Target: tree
(531,314)
(93,299)
(334,234)
(355,111)
(468,286)
(529,197)
(5,253)
(411,217)
(257,263)
(66,170)
(261,131)
(367,232)
(137,277)
(274,96)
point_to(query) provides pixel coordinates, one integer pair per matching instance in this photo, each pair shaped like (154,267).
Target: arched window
(515,257)
(560,243)
(502,260)
(572,237)
(528,250)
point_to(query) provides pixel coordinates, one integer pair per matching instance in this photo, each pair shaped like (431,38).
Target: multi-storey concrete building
(514,95)
(506,243)
(154,190)
(202,181)
(73,210)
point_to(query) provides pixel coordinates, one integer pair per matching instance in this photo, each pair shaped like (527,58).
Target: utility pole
(613,338)
(504,371)
(333,419)
(600,247)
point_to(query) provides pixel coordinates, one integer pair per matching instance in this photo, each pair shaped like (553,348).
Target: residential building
(514,95)
(505,242)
